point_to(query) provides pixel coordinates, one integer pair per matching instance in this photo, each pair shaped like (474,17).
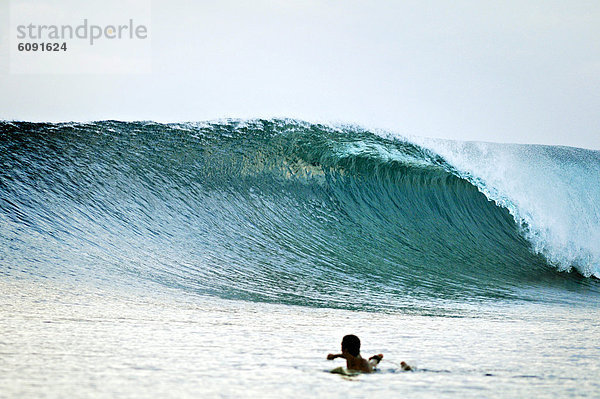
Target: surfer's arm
(331,356)
(376,358)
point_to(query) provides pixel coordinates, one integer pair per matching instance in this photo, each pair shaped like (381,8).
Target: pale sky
(507,71)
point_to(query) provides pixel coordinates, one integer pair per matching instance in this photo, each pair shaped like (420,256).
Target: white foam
(552,192)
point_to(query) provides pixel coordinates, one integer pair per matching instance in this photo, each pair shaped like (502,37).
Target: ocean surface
(227,258)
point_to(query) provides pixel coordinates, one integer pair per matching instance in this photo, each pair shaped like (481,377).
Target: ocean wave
(293,212)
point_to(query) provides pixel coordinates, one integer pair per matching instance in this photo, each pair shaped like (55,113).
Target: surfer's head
(351,344)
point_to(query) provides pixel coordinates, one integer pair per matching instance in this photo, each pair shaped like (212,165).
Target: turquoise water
(227,259)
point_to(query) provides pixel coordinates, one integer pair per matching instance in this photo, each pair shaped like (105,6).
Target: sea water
(69,341)
(227,259)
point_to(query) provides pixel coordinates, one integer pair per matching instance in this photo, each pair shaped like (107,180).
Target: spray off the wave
(552,192)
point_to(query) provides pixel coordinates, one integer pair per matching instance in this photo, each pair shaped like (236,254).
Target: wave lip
(552,193)
(287,211)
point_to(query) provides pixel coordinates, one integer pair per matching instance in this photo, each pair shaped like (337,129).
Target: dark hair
(352,344)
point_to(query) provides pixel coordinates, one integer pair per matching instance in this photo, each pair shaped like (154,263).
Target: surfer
(354,361)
